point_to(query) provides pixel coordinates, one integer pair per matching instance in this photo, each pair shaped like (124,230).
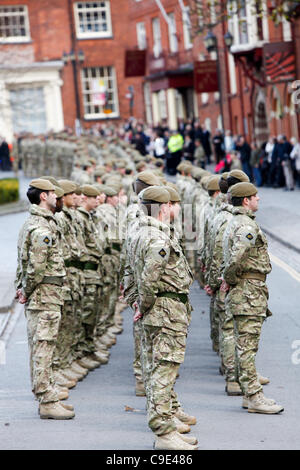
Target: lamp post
(75,58)
(211,44)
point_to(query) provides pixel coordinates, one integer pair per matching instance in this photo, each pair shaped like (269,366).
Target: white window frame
(26,26)
(141,36)
(173,41)
(148,103)
(186,24)
(162,104)
(110,80)
(251,23)
(156,32)
(93,34)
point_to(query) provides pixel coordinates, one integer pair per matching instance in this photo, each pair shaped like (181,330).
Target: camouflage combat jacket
(39,258)
(159,267)
(246,263)
(215,263)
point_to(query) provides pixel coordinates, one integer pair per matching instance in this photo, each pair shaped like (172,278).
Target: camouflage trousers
(164,353)
(247,334)
(137,340)
(106,313)
(226,337)
(42,331)
(91,304)
(63,356)
(214,323)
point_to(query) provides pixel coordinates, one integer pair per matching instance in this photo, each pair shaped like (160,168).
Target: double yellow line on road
(292,272)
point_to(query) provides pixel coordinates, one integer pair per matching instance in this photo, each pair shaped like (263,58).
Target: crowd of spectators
(275,163)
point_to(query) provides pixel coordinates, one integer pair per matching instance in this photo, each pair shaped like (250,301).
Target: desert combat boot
(55,410)
(258,403)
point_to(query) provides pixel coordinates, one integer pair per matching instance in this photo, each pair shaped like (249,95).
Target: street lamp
(74,57)
(228,39)
(211,44)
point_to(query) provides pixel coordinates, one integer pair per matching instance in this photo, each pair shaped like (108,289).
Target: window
(14,24)
(157,47)
(148,105)
(243,25)
(93,19)
(100,96)
(28,110)
(162,104)
(187,29)
(141,36)
(173,42)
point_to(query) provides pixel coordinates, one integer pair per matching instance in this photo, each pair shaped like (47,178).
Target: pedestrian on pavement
(218,142)
(295,159)
(247,265)
(5,163)
(255,163)
(244,150)
(175,145)
(287,166)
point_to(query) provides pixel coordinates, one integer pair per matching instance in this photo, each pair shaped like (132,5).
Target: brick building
(63,63)
(248,102)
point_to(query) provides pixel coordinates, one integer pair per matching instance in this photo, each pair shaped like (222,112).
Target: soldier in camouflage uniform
(73,249)
(39,286)
(163,280)
(92,276)
(247,264)
(132,219)
(208,216)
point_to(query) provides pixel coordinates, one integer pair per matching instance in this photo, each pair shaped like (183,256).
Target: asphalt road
(101,421)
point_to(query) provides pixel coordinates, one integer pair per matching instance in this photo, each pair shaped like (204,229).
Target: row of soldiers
(59,154)
(79,247)
(227,253)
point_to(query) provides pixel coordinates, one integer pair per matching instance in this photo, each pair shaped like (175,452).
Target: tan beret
(204,181)
(174,196)
(172,185)
(100,187)
(239,174)
(109,191)
(155,194)
(243,189)
(99,172)
(115,185)
(40,183)
(59,192)
(224,175)
(213,183)
(68,186)
(148,177)
(51,179)
(140,165)
(78,190)
(89,190)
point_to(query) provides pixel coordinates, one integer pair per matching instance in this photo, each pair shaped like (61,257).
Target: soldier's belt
(257,276)
(89,265)
(174,295)
(55,280)
(72,263)
(116,246)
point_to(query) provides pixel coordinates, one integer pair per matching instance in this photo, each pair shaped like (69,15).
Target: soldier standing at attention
(247,264)
(163,281)
(40,285)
